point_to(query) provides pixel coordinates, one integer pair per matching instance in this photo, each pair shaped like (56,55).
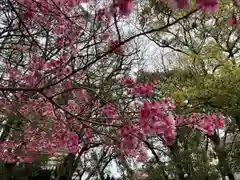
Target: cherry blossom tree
(65,84)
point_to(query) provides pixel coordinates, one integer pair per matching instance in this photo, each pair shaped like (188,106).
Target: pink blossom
(68,85)
(207,5)
(142,89)
(28,14)
(143,156)
(127,81)
(232,20)
(82,95)
(109,110)
(125,7)
(181,4)
(115,46)
(105,36)
(154,120)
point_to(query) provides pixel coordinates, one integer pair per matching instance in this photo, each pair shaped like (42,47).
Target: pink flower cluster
(156,119)
(49,129)
(137,88)
(58,15)
(131,144)
(59,3)
(45,128)
(36,70)
(127,81)
(207,5)
(26,146)
(109,110)
(232,20)
(55,15)
(115,46)
(142,89)
(207,123)
(125,6)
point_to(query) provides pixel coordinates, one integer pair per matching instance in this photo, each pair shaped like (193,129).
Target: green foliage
(206,81)
(192,159)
